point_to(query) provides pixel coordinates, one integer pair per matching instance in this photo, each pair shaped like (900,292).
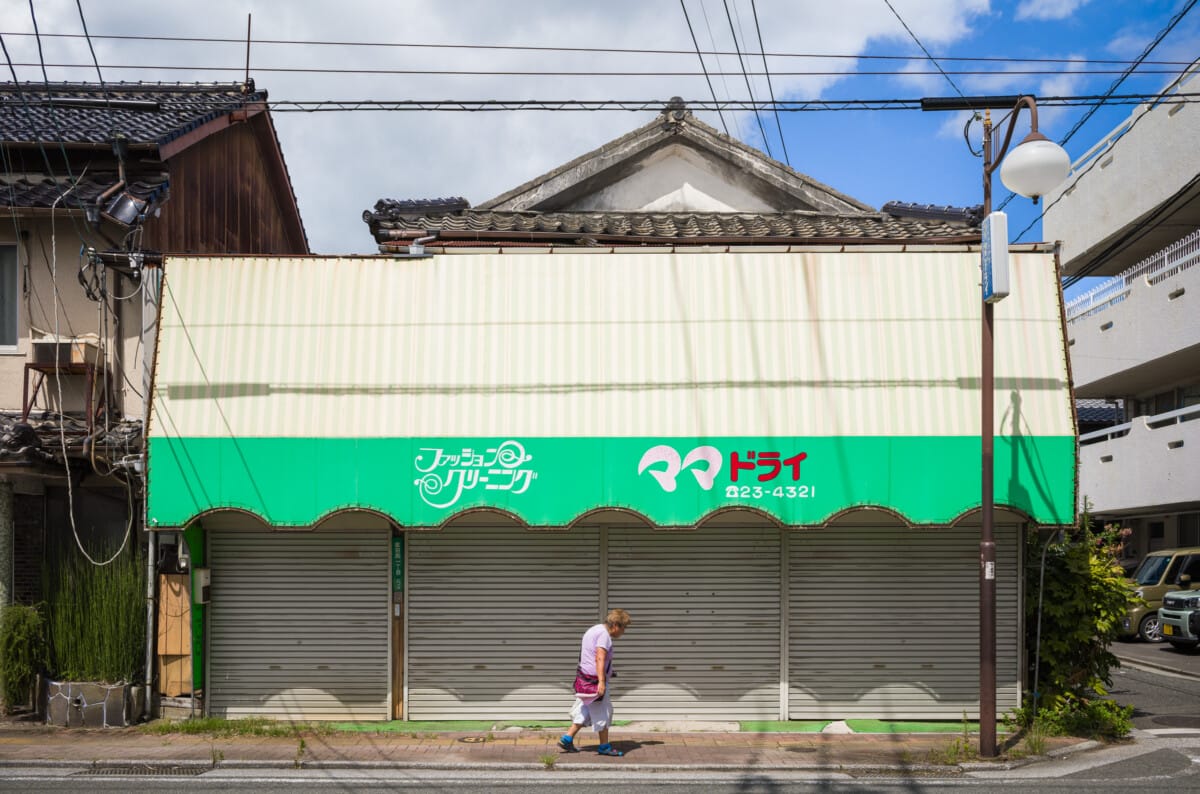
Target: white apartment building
(1131,212)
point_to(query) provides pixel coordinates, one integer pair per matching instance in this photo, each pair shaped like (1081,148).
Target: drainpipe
(151,575)
(416,248)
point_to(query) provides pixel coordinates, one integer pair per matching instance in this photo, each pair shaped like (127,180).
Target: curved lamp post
(1034,167)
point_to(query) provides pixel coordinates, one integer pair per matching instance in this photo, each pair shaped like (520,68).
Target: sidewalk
(29,745)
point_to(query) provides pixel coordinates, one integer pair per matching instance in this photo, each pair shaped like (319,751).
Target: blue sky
(341,163)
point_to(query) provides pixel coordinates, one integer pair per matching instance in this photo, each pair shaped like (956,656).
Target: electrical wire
(592,74)
(745,75)
(96,61)
(928,55)
(595,50)
(770,88)
(704,68)
(1117,83)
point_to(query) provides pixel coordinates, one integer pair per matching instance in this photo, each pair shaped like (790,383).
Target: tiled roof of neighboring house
(42,192)
(147,114)
(391,224)
(1098,412)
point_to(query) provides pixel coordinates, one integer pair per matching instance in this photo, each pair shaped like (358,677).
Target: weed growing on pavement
(957,751)
(548,760)
(1035,741)
(217,756)
(491,737)
(300,748)
(248,726)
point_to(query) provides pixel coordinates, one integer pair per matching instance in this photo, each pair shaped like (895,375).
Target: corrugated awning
(547,386)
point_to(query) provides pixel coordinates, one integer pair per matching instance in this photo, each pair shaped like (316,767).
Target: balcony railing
(1155,422)
(1170,261)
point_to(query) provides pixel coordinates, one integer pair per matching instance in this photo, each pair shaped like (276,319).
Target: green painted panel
(552,481)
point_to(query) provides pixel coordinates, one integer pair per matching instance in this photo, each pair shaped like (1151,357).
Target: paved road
(1159,655)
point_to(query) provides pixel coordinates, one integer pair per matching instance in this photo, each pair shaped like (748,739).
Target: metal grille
(142,770)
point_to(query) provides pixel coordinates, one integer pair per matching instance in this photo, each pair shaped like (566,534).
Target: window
(1157,533)
(10,296)
(1192,569)
(1189,529)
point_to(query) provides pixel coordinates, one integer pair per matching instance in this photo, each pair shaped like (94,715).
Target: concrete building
(1131,212)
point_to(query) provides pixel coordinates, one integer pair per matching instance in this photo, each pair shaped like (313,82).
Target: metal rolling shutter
(705,638)
(299,624)
(884,622)
(494,620)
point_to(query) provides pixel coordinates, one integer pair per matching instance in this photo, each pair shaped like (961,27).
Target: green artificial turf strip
(784,726)
(886,726)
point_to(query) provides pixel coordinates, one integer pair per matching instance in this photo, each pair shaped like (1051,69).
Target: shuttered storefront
(884,622)
(299,624)
(494,620)
(705,637)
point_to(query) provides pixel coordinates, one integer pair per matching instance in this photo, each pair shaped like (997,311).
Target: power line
(588,74)
(757,118)
(770,88)
(923,49)
(707,79)
(599,50)
(95,60)
(583,105)
(1112,88)
(1117,83)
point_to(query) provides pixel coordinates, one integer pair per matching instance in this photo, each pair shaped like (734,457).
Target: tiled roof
(147,114)
(41,192)
(391,225)
(1097,412)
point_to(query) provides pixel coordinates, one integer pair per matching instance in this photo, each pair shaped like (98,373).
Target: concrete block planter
(83,704)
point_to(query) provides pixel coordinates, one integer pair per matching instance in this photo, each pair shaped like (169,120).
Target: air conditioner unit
(60,351)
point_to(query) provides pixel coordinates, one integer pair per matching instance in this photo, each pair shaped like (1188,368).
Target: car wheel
(1149,629)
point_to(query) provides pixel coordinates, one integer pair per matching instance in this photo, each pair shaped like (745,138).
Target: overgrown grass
(247,726)
(96,615)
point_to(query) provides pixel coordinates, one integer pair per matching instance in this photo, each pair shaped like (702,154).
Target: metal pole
(987,544)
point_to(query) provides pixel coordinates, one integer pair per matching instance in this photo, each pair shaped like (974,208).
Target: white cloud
(1048,9)
(341,163)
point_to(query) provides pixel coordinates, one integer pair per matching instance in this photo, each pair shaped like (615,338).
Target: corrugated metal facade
(881,621)
(494,618)
(298,625)
(853,347)
(884,622)
(641,344)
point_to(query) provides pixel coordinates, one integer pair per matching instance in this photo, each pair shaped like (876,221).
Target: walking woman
(593,692)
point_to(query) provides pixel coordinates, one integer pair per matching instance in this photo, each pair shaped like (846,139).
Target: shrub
(1085,598)
(22,652)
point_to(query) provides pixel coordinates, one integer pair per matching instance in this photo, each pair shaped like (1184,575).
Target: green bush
(96,616)
(22,652)
(1084,601)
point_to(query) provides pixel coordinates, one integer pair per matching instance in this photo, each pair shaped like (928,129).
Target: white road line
(1175,731)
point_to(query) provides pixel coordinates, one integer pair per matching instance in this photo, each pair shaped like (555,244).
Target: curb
(1135,663)
(843,770)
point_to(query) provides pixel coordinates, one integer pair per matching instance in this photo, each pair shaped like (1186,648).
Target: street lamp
(1036,166)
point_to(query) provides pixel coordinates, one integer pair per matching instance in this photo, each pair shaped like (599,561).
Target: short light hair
(618,617)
